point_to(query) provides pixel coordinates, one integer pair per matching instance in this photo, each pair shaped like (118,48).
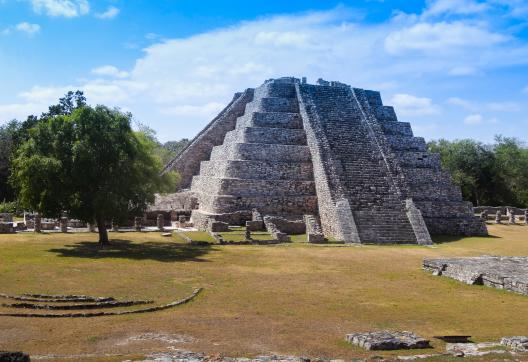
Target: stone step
(261,152)
(270,120)
(468,225)
(248,187)
(419,159)
(262,170)
(397,128)
(267,135)
(265,205)
(273,104)
(445,209)
(435,191)
(282,90)
(384,226)
(406,143)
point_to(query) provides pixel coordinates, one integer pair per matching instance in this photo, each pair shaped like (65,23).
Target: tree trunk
(103,233)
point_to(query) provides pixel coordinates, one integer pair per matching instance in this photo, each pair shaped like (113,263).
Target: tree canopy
(90,164)
(494,174)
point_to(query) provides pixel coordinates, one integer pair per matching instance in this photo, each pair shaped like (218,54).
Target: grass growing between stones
(290,298)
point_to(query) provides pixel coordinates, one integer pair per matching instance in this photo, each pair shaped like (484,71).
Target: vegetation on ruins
(494,174)
(88,163)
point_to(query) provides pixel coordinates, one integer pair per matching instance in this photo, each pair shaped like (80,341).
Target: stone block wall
(187,163)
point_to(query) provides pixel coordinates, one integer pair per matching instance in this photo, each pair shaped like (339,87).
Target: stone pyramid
(289,149)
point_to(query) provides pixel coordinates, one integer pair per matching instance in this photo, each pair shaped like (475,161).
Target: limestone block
(517,343)
(218,226)
(509,273)
(387,340)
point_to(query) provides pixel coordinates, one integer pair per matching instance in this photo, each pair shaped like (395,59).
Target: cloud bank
(182,83)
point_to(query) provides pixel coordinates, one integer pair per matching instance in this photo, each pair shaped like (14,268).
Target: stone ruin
(387,340)
(290,149)
(509,273)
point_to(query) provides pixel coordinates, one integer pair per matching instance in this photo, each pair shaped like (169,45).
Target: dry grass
(291,299)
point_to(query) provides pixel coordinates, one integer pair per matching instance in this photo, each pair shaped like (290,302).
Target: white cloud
(28,28)
(503,106)
(441,38)
(525,90)
(66,8)
(462,70)
(463,103)
(409,105)
(187,110)
(110,71)
(110,13)
(439,7)
(177,85)
(474,106)
(473,119)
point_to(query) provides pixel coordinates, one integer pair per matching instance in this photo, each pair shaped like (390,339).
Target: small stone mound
(517,343)
(13,357)
(387,340)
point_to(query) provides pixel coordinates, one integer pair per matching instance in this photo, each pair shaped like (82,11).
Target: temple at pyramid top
(327,153)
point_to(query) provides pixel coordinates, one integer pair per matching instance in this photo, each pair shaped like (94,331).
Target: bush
(8,207)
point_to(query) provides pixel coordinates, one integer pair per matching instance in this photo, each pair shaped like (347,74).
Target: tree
(472,166)
(6,148)
(89,164)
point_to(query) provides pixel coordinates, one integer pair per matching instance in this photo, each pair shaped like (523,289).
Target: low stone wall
(286,226)
(492,210)
(6,228)
(6,217)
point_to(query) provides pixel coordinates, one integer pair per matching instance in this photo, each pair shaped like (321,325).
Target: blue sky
(453,68)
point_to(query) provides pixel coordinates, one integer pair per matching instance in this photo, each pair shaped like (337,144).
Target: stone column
(91,227)
(64,224)
(138,221)
(498,217)
(160,221)
(248,235)
(512,217)
(115,227)
(484,216)
(37,223)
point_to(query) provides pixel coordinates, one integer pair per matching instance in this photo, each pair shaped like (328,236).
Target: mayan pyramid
(290,149)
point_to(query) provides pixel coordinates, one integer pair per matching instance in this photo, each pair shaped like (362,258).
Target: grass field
(293,298)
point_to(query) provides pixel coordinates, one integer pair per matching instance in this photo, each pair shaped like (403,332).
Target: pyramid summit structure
(326,152)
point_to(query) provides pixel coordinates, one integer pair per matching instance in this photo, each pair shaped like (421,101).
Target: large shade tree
(90,164)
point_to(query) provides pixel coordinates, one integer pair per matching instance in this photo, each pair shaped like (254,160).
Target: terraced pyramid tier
(327,151)
(263,164)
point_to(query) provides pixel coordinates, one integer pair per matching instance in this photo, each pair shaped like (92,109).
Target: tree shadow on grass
(159,251)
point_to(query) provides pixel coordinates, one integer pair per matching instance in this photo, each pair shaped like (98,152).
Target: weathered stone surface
(138,223)
(218,226)
(14,357)
(160,222)
(63,224)
(518,343)
(510,273)
(387,340)
(6,228)
(6,217)
(288,148)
